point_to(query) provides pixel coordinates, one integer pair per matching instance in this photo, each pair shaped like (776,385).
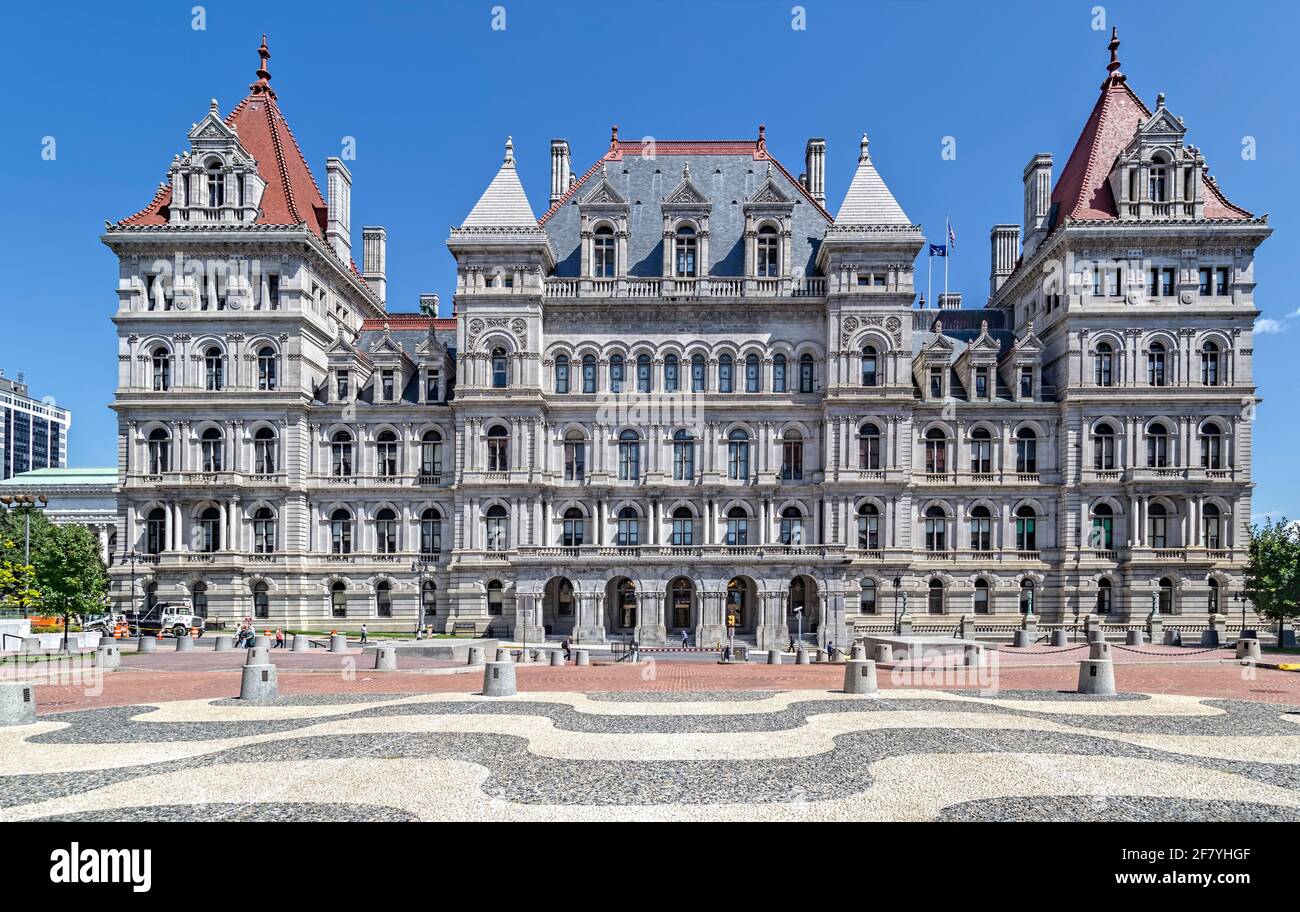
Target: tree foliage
(66,576)
(1273,573)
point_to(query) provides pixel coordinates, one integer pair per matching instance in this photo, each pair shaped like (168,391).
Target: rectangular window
(982,383)
(1026,383)
(936,383)
(1203,276)
(388,382)
(342,385)
(1221,280)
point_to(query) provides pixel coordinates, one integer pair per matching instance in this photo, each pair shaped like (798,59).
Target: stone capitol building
(693,389)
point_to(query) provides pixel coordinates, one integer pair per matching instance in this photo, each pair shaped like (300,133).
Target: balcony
(563,288)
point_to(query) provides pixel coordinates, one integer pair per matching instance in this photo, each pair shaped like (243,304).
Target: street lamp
(26,503)
(898,582)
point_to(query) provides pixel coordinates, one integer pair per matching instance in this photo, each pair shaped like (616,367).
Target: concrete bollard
(338,642)
(860,676)
(1022,639)
(1133,638)
(223,644)
(1099,650)
(1096,636)
(1060,638)
(503,655)
(259,683)
(974,656)
(475,655)
(557,658)
(17,704)
(884,653)
(108,657)
(184,644)
(1097,677)
(837,655)
(581,657)
(499,679)
(1210,638)
(801,656)
(258,655)
(146,644)
(774,657)
(1173,638)
(260,641)
(535,655)
(301,643)
(386,658)
(1248,649)
(32,645)
(858,652)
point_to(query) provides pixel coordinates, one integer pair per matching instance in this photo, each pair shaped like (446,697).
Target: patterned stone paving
(754,751)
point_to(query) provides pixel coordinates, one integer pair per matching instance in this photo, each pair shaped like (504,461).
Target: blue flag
(938,250)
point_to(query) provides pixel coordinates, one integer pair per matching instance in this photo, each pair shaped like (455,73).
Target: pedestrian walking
(279,638)
(363,634)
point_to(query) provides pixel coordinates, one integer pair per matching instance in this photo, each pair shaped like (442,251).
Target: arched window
(496,598)
(428,599)
(562,374)
(386,531)
(616,373)
(212,448)
(339,600)
(1104,364)
(588,373)
(266,368)
(155,537)
(430,457)
(726,374)
(683,455)
(753,378)
(869,447)
(500,368)
(1212,526)
(162,369)
(386,454)
(738,455)
(160,451)
(806,373)
(1157,525)
(264,530)
(430,532)
(1103,528)
(1026,451)
(1157,446)
(497,528)
(575,456)
(737,527)
(867,597)
(870,366)
(1210,364)
(778,374)
(1026,596)
(1103,597)
(767,253)
(629,528)
(672,377)
(981,600)
(340,532)
(981,529)
(1211,446)
(684,252)
(261,600)
(791,526)
(981,451)
(216,184)
(1213,604)
(341,454)
(1158,180)
(384,599)
(574,530)
(498,449)
(868,527)
(214,369)
(602,253)
(935,601)
(936,529)
(199,598)
(264,451)
(1165,603)
(150,597)
(936,452)
(629,456)
(1156,364)
(1103,447)
(1026,529)
(210,530)
(792,456)
(643,377)
(683,527)
(697,374)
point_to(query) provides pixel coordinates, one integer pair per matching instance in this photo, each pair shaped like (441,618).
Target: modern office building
(33,433)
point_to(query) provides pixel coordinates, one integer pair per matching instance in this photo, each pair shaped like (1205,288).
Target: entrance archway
(559,607)
(620,605)
(802,593)
(742,602)
(679,610)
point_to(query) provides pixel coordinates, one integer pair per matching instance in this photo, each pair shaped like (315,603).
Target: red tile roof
(409,321)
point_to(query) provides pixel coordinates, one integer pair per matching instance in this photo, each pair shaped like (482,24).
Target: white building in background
(688,392)
(80,496)
(33,433)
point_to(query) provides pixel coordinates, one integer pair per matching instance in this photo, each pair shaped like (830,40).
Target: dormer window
(342,385)
(216,183)
(602,253)
(768,253)
(981,383)
(1026,383)
(936,383)
(432,385)
(684,249)
(388,384)
(1158,181)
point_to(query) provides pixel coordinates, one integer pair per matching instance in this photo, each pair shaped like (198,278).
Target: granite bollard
(1097,677)
(499,679)
(17,704)
(973,656)
(1022,639)
(860,676)
(859,651)
(1210,638)
(146,644)
(1133,638)
(262,641)
(1096,636)
(503,655)
(338,642)
(1060,638)
(301,643)
(1248,649)
(581,657)
(108,656)
(386,658)
(1099,650)
(259,682)
(184,644)
(557,658)
(257,655)
(475,655)
(1173,638)
(885,653)
(801,656)
(774,657)
(223,644)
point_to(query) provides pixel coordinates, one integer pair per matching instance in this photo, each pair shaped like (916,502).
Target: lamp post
(898,582)
(26,503)
(133,555)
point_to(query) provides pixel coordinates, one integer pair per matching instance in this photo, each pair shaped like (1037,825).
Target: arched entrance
(679,610)
(559,607)
(801,601)
(742,604)
(620,605)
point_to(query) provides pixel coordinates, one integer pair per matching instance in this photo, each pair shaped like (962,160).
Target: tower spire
(263,83)
(1112,69)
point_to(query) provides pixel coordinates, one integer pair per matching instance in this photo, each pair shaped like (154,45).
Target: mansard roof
(869,201)
(504,203)
(1083,191)
(292,196)
(409,330)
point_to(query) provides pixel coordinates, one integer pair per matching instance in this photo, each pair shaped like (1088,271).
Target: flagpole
(947,251)
(929,281)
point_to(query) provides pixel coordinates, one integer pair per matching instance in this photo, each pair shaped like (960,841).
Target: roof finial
(263,84)
(1113,67)
(510,151)
(864,155)
(613,137)
(762,136)
(1160,99)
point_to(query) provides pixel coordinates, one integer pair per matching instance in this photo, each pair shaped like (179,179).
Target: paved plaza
(1192,736)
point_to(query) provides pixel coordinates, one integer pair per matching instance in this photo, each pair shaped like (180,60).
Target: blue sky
(430,91)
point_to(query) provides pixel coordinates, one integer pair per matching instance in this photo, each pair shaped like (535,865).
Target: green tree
(18,586)
(70,573)
(1273,573)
